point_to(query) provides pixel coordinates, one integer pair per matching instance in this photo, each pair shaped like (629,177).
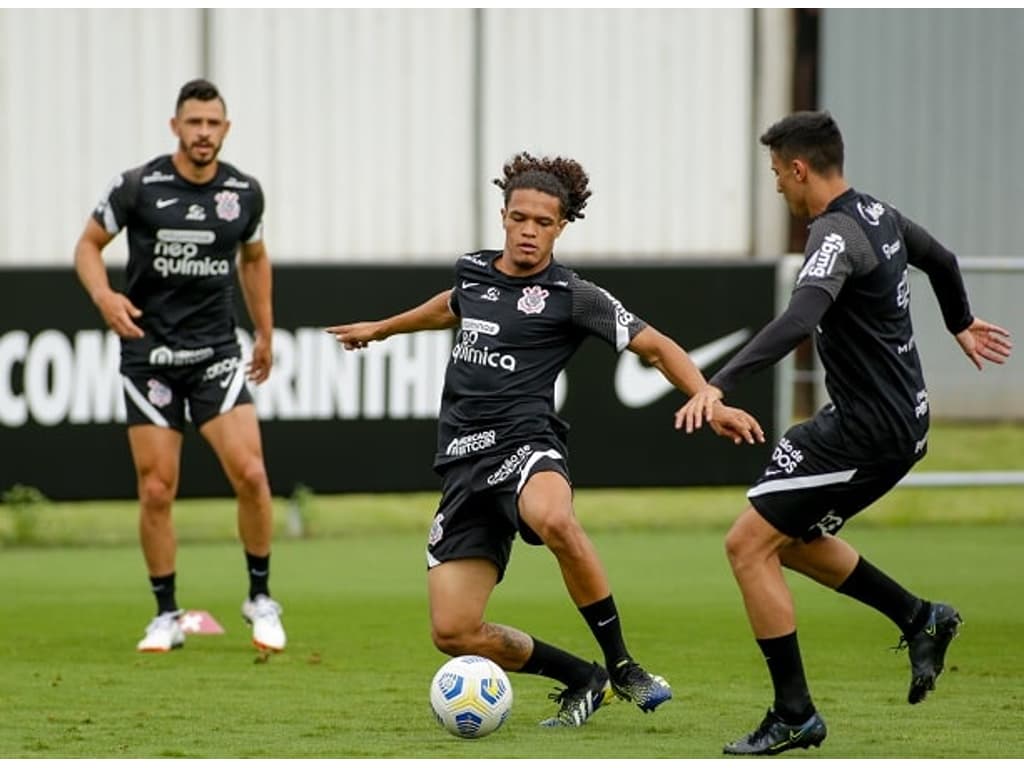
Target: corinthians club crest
(532,300)
(228,207)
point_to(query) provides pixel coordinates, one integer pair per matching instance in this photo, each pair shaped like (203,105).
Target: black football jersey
(856,251)
(515,335)
(183,241)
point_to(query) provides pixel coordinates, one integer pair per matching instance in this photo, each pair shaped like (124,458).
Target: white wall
(358,123)
(365,128)
(655,104)
(83,94)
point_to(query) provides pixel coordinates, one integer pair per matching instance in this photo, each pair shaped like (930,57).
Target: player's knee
(557,527)
(155,494)
(452,638)
(252,479)
(738,547)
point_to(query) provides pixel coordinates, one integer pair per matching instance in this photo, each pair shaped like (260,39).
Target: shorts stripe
(798,483)
(233,389)
(536,456)
(143,404)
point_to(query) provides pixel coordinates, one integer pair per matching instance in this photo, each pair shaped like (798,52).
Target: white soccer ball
(471,696)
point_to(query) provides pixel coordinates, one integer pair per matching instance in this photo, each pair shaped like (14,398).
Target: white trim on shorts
(524,473)
(143,404)
(231,398)
(799,483)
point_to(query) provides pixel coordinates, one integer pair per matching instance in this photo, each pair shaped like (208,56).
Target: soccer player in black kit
(501,447)
(189,216)
(853,290)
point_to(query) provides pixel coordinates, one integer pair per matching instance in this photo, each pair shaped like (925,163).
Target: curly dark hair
(560,177)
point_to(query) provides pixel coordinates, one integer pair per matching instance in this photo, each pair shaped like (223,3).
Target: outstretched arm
(980,340)
(433,314)
(931,257)
(772,343)
(676,366)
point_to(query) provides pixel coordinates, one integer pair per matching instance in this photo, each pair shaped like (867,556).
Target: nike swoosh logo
(606,622)
(165,203)
(638,385)
(466,284)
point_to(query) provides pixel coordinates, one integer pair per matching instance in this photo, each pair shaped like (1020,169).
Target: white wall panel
(359,125)
(84,94)
(363,125)
(655,104)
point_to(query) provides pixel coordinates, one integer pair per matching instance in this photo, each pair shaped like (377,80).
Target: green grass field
(354,680)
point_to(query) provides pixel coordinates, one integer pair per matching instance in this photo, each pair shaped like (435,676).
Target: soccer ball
(471,696)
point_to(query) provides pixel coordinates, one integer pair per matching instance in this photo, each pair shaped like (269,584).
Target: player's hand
(118,313)
(736,424)
(262,360)
(982,340)
(356,335)
(698,409)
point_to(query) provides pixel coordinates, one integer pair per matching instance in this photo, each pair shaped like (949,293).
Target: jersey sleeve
(777,339)
(253,233)
(597,312)
(836,250)
(453,297)
(115,207)
(931,257)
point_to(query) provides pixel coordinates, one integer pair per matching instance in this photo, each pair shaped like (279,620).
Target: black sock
(259,574)
(872,587)
(557,664)
(603,620)
(792,699)
(163,591)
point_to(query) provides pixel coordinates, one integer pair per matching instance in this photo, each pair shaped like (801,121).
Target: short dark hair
(813,136)
(200,89)
(559,177)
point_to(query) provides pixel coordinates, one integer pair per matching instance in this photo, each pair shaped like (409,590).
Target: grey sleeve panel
(254,229)
(597,312)
(115,207)
(837,249)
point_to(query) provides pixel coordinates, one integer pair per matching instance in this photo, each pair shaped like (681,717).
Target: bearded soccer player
(501,448)
(853,295)
(193,222)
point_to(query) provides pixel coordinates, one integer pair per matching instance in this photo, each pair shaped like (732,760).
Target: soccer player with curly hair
(501,448)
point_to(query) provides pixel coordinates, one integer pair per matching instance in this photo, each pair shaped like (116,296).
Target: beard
(192,153)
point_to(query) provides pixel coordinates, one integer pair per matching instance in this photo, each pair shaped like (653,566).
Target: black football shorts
(168,396)
(478,515)
(815,480)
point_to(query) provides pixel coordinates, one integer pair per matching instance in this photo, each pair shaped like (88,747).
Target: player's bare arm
(676,366)
(982,340)
(432,315)
(658,350)
(117,309)
(254,275)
